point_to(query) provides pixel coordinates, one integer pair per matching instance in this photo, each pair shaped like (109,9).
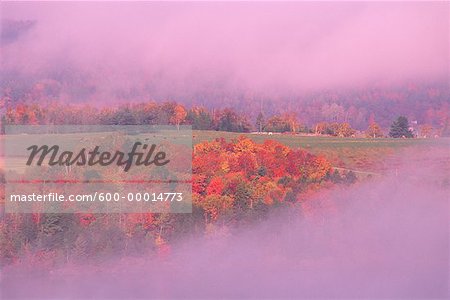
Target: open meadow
(362,155)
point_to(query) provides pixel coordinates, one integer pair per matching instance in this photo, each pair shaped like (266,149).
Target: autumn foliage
(233,182)
(240,175)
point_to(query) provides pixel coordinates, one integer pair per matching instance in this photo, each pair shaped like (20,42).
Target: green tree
(400,128)
(199,118)
(260,122)
(243,196)
(350,177)
(229,120)
(124,116)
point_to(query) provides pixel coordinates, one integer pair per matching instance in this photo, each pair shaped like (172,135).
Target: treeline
(427,104)
(150,113)
(226,119)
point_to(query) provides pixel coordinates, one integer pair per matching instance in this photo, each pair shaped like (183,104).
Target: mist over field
(385,238)
(124,50)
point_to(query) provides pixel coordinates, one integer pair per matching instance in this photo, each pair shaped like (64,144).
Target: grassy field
(359,154)
(370,156)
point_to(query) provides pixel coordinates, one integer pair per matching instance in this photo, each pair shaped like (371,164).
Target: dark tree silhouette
(400,128)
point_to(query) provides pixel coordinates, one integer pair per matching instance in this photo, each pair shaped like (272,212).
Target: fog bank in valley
(384,238)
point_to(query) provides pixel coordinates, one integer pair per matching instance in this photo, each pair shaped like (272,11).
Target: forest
(428,118)
(233,183)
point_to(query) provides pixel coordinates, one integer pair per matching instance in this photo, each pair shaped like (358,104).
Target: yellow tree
(374,130)
(215,205)
(345,130)
(321,128)
(426,130)
(178,116)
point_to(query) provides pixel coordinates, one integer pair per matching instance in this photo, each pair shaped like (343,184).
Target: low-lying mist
(383,238)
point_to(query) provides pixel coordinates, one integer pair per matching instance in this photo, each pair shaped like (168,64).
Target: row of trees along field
(226,119)
(424,103)
(234,183)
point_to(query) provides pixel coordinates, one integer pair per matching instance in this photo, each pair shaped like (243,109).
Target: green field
(365,156)
(358,154)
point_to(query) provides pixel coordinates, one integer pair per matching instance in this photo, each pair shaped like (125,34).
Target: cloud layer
(264,48)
